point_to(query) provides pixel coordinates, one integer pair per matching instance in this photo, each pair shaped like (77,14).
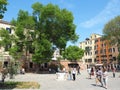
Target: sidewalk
(49,82)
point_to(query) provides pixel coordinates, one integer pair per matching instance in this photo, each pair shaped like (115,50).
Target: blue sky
(90,16)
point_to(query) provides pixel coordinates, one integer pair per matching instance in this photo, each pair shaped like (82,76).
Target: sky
(90,16)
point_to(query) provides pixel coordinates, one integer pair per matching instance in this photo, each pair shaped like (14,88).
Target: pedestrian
(23,71)
(96,78)
(92,72)
(113,70)
(105,77)
(100,75)
(74,74)
(89,72)
(70,74)
(78,72)
(50,70)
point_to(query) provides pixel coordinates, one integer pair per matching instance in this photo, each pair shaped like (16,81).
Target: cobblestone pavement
(82,82)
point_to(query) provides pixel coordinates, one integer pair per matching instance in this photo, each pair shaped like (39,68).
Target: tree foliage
(51,26)
(7,41)
(56,23)
(73,53)
(5,36)
(38,32)
(3,4)
(111,31)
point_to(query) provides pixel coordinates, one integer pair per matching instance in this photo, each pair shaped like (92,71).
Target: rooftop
(4,22)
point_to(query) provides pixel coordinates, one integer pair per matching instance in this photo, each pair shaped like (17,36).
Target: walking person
(78,72)
(89,72)
(100,74)
(92,72)
(23,71)
(96,78)
(105,77)
(113,70)
(70,74)
(74,74)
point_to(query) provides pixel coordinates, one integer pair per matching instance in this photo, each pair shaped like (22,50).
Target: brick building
(105,53)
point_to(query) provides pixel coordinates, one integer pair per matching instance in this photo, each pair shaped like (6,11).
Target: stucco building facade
(89,45)
(4,55)
(98,51)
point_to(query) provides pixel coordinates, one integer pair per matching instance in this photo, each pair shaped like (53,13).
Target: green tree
(48,26)
(43,52)
(56,23)
(73,53)
(6,41)
(53,24)
(5,37)
(24,32)
(53,27)
(111,31)
(3,4)
(30,40)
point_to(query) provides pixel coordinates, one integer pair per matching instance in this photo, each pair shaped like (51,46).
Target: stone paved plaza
(49,82)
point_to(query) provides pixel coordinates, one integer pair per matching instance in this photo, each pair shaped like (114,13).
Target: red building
(105,53)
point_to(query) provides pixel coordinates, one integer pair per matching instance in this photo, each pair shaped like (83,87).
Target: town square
(60,45)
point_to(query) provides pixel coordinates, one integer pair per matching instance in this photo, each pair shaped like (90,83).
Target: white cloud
(111,10)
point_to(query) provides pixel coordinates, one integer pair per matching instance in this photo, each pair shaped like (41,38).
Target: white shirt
(74,71)
(105,74)
(89,70)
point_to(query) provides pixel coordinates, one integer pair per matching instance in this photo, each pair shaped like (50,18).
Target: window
(94,47)
(101,40)
(20,45)
(114,58)
(89,60)
(95,36)
(104,44)
(7,47)
(8,29)
(101,45)
(96,52)
(113,49)
(96,41)
(31,65)
(88,53)
(31,49)
(91,53)
(90,48)
(110,50)
(104,50)
(45,65)
(90,42)
(97,46)
(101,51)
(5,63)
